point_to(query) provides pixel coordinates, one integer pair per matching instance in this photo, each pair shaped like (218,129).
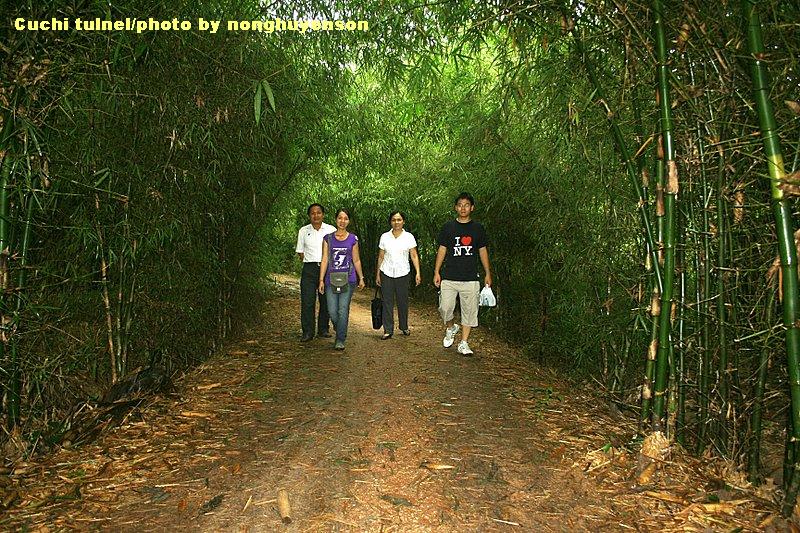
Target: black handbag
(377,309)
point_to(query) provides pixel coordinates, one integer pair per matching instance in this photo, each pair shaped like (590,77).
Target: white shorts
(468,293)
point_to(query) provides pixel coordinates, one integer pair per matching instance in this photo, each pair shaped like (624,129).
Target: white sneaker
(463,348)
(450,335)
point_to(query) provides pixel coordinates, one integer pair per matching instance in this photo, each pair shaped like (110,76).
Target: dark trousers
(394,289)
(309,282)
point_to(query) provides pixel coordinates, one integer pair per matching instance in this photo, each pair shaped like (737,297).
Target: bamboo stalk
(633,175)
(789,452)
(666,155)
(7,326)
(284,509)
(680,364)
(723,366)
(129,306)
(5,175)
(5,268)
(106,298)
(784,226)
(703,293)
(655,310)
(118,315)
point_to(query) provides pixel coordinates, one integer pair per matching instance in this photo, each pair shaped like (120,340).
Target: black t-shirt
(463,240)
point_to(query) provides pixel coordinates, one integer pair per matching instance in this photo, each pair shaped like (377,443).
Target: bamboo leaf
(257,103)
(141,49)
(101,176)
(270,96)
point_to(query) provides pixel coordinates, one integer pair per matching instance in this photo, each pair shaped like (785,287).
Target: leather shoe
(306,338)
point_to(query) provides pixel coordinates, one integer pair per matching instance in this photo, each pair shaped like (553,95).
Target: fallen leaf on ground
(436,466)
(396,500)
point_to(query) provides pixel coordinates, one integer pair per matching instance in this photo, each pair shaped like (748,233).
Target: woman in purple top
(340,255)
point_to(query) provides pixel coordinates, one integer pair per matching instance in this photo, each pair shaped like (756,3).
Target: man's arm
(440,253)
(484,255)
(300,246)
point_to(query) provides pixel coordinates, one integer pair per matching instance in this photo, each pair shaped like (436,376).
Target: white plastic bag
(487,298)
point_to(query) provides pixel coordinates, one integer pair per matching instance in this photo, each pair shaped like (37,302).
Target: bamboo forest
(635,167)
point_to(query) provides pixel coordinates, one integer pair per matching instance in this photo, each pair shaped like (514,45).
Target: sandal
(386,336)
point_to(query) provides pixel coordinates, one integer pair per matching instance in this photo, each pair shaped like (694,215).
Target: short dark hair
(465,196)
(343,210)
(393,213)
(308,211)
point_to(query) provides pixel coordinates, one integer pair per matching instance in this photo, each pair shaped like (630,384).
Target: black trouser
(309,283)
(391,289)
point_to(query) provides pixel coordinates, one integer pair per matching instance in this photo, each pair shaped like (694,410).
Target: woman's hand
(321,287)
(361,283)
(418,279)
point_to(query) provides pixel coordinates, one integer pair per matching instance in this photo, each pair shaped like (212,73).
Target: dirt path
(399,435)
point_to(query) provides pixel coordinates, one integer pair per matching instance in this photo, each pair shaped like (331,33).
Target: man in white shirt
(309,249)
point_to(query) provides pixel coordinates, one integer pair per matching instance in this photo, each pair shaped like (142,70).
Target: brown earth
(391,436)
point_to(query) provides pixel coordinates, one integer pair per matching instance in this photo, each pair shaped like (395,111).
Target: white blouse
(395,253)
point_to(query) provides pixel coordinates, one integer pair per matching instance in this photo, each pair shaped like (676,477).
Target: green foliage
(157,181)
(497,103)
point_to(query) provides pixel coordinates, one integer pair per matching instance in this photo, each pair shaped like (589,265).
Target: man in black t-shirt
(462,241)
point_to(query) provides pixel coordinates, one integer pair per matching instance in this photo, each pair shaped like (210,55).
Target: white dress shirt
(309,242)
(395,253)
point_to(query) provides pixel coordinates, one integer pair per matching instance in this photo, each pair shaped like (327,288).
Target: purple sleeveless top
(340,256)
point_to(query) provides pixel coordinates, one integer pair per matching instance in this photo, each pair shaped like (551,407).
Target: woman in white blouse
(394,271)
